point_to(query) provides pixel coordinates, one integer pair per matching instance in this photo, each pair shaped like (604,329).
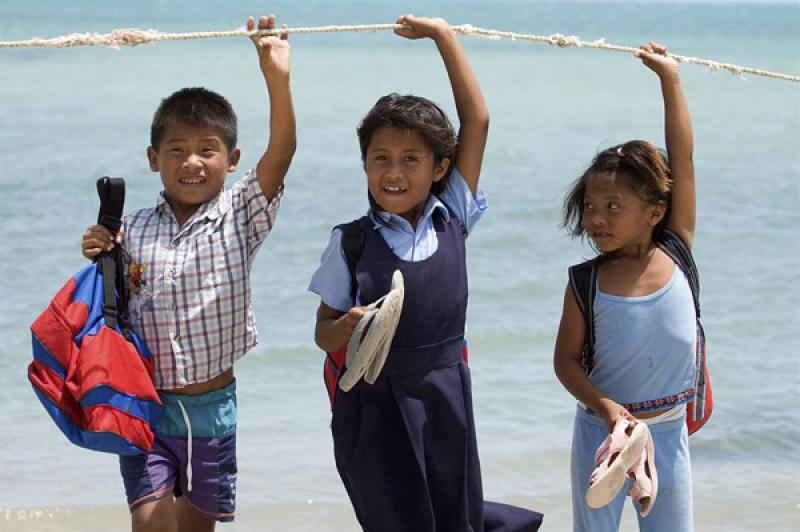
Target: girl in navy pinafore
(405,446)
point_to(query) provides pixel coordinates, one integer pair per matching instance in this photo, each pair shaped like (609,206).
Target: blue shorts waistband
(211,415)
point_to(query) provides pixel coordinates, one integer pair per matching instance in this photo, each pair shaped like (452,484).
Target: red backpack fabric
(90,372)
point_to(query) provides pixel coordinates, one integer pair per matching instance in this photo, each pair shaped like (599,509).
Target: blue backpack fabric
(92,374)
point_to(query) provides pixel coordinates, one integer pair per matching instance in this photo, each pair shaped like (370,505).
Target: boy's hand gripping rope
(135,37)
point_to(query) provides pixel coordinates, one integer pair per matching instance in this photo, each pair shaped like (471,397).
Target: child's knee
(155,516)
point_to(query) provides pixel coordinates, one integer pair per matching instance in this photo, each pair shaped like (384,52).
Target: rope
(135,37)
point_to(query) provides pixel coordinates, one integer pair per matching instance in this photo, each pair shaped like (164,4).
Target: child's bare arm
(274,57)
(473,114)
(334,327)
(568,368)
(680,143)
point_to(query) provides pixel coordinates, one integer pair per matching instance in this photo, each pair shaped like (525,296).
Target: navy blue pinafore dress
(405,446)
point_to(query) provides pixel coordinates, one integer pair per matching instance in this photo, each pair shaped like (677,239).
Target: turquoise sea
(72,115)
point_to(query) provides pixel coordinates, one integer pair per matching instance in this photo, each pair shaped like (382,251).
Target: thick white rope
(135,37)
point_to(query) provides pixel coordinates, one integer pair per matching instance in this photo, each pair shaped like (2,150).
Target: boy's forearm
(274,164)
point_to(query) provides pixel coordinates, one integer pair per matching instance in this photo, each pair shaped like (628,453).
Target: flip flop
(614,458)
(369,344)
(645,478)
(386,321)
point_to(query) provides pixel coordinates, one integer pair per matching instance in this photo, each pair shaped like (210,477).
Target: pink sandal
(618,453)
(645,478)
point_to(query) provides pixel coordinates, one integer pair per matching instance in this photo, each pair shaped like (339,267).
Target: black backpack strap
(352,245)
(112,200)
(583,282)
(670,243)
(115,294)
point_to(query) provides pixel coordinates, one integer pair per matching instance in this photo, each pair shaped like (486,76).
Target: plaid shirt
(190,286)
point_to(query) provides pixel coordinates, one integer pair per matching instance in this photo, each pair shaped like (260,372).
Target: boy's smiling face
(193,163)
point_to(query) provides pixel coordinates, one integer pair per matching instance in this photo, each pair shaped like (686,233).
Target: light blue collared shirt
(331,281)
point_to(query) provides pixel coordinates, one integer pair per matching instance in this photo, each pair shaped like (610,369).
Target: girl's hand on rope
(656,57)
(273,52)
(420,27)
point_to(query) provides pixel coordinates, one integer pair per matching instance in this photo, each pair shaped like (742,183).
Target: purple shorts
(208,480)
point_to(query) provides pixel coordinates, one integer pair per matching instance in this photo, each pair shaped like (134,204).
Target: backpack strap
(352,245)
(583,282)
(115,294)
(673,245)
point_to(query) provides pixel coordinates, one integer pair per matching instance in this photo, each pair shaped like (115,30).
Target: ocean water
(70,116)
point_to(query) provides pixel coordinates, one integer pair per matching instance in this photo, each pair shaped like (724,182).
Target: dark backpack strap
(583,282)
(115,294)
(670,243)
(112,200)
(352,245)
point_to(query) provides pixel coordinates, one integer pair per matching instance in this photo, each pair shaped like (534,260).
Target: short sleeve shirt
(190,285)
(332,280)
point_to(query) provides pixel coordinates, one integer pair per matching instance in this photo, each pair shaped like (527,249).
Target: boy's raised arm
(274,56)
(473,115)
(679,139)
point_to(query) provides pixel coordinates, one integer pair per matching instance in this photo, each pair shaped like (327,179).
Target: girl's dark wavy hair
(196,107)
(638,165)
(416,114)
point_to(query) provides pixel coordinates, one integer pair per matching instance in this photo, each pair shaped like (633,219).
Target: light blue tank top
(645,346)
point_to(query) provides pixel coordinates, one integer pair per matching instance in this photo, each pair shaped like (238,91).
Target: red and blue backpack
(583,282)
(92,374)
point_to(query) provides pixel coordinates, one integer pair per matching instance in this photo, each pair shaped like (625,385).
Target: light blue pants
(672,511)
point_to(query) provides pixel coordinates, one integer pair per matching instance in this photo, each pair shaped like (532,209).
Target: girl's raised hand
(421,27)
(273,52)
(656,57)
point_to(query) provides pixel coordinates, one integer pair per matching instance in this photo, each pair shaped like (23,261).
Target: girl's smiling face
(400,170)
(615,217)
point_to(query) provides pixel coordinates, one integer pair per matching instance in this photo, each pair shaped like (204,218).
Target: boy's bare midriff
(220,381)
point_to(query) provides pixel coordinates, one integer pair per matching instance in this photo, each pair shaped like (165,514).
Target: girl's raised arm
(679,139)
(473,115)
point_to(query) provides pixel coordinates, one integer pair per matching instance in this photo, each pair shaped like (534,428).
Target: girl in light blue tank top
(644,318)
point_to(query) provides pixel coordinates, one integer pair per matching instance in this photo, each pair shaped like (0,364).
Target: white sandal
(369,345)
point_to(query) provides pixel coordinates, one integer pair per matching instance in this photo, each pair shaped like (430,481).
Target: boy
(190,260)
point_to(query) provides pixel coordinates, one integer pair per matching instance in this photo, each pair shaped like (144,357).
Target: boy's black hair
(197,107)
(416,114)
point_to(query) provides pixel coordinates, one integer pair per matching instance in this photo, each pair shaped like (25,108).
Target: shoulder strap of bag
(112,200)
(352,245)
(670,243)
(583,281)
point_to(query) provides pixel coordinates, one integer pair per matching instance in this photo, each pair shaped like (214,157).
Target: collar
(210,210)
(432,205)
